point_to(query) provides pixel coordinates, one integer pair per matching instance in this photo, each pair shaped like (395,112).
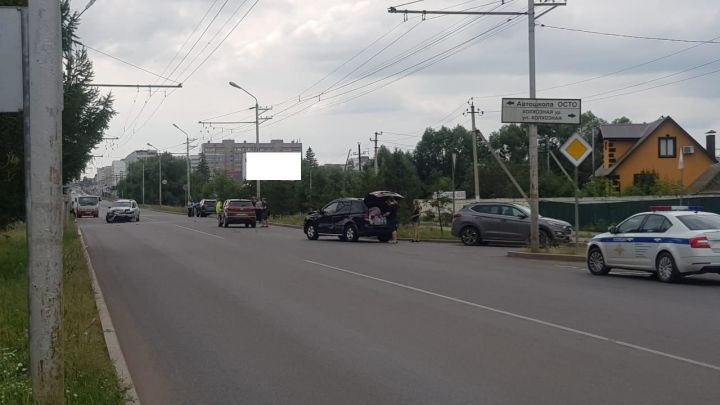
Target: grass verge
(569,249)
(164,208)
(89,374)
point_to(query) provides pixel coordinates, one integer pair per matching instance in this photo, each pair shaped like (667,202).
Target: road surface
(208,315)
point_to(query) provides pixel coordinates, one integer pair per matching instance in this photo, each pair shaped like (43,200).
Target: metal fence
(599,214)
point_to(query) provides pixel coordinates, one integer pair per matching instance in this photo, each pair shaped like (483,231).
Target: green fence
(598,215)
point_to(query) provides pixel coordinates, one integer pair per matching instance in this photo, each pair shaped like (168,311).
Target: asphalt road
(208,315)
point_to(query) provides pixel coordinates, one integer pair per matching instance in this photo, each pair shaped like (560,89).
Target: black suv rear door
(325,221)
(341,216)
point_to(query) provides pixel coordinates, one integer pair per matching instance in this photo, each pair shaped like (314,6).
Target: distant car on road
(87,205)
(205,207)
(351,218)
(504,222)
(237,211)
(123,210)
(670,241)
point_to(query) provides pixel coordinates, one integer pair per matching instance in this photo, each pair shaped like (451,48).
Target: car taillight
(699,242)
(456,216)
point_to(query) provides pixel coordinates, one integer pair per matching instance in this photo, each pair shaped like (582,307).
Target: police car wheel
(667,271)
(596,263)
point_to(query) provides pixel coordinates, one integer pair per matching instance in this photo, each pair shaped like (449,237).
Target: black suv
(205,207)
(349,219)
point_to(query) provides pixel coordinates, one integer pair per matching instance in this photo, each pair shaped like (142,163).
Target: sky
(335,72)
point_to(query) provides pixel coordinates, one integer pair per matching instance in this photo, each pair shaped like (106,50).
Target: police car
(671,241)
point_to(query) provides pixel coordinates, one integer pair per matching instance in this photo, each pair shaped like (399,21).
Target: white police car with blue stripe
(670,241)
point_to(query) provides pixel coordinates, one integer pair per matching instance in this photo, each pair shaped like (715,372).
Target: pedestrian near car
(218,208)
(259,208)
(190,207)
(265,213)
(415,221)
(391,214)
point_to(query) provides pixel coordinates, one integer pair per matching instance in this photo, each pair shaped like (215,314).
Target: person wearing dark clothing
(391,215)
(265,212)
(415,221)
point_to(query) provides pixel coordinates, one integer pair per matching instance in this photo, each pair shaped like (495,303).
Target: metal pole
(143,181)
(257,142)
(577,208)
(475,152)
(159,178)
(43,154)
(359,159)
(376,151)
(187,154)
(532,136)
(454,158)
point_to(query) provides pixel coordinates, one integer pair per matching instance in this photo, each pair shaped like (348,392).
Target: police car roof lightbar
(694,208)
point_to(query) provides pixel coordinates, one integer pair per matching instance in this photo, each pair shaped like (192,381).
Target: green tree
(310,157)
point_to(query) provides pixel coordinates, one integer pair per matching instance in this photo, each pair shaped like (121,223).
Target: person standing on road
(391,215)
(415,221)
(265,212)
(190,207)
(218,208)
(259,208)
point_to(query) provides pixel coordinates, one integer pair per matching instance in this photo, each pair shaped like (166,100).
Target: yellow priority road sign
(576,149)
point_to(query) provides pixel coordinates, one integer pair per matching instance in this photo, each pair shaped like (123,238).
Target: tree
(310,157)
(86,116)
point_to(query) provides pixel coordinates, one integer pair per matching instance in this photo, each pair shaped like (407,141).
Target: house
(663,147)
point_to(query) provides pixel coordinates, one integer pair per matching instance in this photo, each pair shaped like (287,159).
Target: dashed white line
(527,318)
(195,230)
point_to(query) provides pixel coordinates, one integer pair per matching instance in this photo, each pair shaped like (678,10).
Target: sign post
(541,111)
(576,150)
(11,54)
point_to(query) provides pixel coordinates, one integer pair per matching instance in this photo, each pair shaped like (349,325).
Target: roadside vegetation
(89,374)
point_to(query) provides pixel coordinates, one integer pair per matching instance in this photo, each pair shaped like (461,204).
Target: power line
(611,34)
(125,62)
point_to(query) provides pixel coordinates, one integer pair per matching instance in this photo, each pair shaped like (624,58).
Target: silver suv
(123,210)
(504,222)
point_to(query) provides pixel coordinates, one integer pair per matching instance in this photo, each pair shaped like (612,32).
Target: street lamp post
(159,173)
(257,129)
(187,155)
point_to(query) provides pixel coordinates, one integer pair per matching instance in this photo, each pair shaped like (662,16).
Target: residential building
(353,162)
(105,177)
(662,148)
(140,154)
(119,169)
(194,162)
(229,156)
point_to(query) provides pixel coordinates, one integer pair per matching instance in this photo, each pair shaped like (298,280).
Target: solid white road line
(527,318)
(195,230)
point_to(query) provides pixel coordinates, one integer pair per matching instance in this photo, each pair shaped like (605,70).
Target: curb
(402,239)
(547,256)
(111,340)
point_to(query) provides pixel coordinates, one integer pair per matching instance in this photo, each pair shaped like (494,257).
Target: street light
(90,3)
(159,173)
(187,144)
(257,129)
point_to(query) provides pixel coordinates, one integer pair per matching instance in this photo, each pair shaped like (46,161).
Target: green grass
(89,374)
(404,232)
(164,208)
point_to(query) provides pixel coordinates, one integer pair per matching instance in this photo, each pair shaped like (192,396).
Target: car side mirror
(613,229)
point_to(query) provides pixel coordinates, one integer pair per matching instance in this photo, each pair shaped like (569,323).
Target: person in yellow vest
(218,208)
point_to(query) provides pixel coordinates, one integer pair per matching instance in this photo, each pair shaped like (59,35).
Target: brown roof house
(662,147)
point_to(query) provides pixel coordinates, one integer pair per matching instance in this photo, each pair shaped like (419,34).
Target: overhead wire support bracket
(546,3)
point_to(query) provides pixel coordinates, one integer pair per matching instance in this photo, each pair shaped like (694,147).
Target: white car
(670,241)
(123,210)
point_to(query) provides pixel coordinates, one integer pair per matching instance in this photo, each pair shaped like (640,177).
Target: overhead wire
(611,34)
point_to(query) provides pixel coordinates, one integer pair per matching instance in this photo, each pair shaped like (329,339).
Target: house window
(666,147)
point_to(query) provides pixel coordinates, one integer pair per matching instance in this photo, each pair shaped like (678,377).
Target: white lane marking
(527,318)
(195,230)
(568,267)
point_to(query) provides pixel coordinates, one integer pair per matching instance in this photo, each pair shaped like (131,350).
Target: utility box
(11,68)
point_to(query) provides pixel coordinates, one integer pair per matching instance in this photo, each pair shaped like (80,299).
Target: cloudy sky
(337,71)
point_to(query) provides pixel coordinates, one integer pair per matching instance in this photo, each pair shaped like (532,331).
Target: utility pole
(257,126)
(359,159)
(143,181)
(532,128)
(43,105)
(376,150)
(475,151)
(188,194)
(159,173)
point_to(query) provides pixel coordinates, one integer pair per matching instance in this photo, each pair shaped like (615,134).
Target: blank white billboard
(273,165)
(11,74)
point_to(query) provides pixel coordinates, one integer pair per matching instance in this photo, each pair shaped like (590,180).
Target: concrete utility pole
(257,126)
(376,150)
(532,128)
(43,104)
(359,158)
(143,181)
(159,173)
(188,194)
(475,151)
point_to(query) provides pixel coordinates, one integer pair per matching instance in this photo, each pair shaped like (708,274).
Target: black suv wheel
(311,232)
(351,233)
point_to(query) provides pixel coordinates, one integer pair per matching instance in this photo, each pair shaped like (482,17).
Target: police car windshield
(700,222)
